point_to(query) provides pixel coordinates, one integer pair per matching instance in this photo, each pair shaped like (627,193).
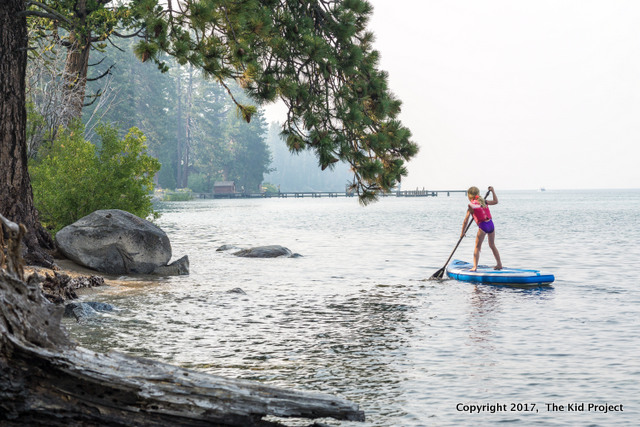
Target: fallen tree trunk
(46,379)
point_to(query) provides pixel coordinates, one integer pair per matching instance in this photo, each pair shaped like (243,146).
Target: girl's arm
(494,201)
(464,224)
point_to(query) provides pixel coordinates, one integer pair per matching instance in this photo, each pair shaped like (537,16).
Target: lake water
(354,316)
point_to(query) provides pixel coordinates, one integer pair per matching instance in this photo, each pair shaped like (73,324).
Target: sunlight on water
(354,316)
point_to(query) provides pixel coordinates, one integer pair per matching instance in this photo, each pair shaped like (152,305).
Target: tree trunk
(179,133)
(187,136)
(45,379)
(77,64)
(76,69)
(16,196)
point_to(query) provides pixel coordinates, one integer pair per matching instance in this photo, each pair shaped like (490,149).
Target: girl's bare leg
(494,249)
(476,251)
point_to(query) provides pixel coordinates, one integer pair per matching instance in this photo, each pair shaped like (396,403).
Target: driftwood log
(46,379)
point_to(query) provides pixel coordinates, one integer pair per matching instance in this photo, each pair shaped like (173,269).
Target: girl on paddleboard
(479,209)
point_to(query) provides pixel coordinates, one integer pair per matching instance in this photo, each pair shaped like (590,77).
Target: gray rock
(99,306)
(82,310)
(176,268)
(236,291)
(272,251)
(115,242)
(226,248)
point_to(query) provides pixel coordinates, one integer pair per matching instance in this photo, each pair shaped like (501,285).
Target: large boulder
(115,242)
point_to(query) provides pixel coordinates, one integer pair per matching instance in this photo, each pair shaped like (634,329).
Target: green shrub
(179,195)
(267,187)
(74,178)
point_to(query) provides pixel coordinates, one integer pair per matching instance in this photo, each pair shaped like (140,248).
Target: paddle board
(460,270)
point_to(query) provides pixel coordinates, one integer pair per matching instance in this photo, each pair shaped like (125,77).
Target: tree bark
(16,196)
(77,64)
(76,69)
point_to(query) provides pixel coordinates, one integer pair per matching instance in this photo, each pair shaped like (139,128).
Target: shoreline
(66,266)
(67,283)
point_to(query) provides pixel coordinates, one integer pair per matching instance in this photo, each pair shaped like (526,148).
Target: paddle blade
(437,275)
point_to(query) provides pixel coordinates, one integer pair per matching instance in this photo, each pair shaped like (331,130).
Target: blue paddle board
(460,270)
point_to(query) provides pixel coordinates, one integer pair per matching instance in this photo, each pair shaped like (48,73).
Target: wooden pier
(319,194)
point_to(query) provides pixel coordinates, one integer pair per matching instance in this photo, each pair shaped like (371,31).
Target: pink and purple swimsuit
(482,217)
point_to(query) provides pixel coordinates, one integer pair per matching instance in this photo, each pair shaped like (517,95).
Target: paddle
(438,274)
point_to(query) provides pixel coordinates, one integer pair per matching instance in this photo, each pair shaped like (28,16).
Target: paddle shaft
(459,241)
(439,273)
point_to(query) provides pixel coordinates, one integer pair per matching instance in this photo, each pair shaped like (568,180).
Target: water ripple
(355,317)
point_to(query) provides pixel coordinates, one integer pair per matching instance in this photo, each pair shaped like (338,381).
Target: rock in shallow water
(176,268)
(82,310)
(272,251)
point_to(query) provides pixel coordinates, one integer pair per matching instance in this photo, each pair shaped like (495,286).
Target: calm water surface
(354,316)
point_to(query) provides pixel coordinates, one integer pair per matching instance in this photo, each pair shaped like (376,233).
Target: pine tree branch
(99,62)
(128,36)
(94,98)
(106,73)
(115,45)
(51,13)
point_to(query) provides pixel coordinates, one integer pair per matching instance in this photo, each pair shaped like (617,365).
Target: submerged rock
(115,242)
(271,251)
(226,248)
(82,310)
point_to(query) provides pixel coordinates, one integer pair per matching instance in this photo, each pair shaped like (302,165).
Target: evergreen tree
(250,154)
(210,148)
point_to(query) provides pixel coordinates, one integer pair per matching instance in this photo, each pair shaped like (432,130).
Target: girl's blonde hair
(474,193)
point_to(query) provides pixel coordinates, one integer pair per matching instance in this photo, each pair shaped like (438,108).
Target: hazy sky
(516,94)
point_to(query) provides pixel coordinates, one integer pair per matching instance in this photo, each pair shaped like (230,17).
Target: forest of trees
(191,123)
